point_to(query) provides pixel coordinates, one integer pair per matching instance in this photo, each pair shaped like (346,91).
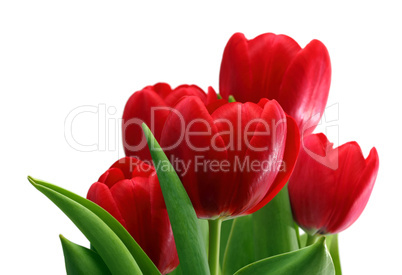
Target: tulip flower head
(276,67)
(330,187)
(130,192)
(232,158)
(151,106)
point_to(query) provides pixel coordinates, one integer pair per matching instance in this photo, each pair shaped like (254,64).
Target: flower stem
(311,239)
(214,242)
(332,243)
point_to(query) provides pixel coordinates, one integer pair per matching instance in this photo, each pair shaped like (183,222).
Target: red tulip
(152,105)
(130,192)
(276,67)
(329,188)
(234,160)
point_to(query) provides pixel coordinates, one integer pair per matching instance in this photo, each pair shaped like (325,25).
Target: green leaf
(314,259)
(225,232)
(332,241)
(240,247)
(176,271)
(145,264)
(109,246)
(186,230)
(274,231)
(81,261)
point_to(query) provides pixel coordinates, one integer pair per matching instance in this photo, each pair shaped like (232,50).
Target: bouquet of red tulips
(233,182)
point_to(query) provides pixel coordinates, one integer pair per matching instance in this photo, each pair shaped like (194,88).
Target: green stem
(311,239)
(214,243)
(332,243)
(298,235)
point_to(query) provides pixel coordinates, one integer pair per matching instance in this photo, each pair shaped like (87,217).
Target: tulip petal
(236,124)
(305,86)
(211,96)
(290,154)
(111,176)
(185,90)
(100,194)
(188,136)
(131,167)
(356,178)
(162,89)
(253,69)
(215,105)
(145,106)
(312,177)
(140,202)
(330,187)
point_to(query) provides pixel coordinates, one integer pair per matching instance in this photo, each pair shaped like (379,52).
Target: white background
(58,55)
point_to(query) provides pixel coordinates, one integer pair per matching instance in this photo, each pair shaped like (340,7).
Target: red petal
(211,96)
(143,106)
(100,194)
(356,178)
(111,176)
(312,186)
(329,192)
(291,152)
(162,89)
(185,90)
(233,120)
(141,203)
(130,166)
(253,69)
(305,86)
(188,138)
(215,105)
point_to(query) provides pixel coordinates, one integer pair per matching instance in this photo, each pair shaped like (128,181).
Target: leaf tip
(62,239)
(145,128)
(31,180)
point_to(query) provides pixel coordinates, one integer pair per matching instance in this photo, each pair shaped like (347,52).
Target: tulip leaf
(186,230)
(225,232)
(274,230)
(81,261)
(314,259)
(112,250)
(176,271)
(61,197)
(240,247)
